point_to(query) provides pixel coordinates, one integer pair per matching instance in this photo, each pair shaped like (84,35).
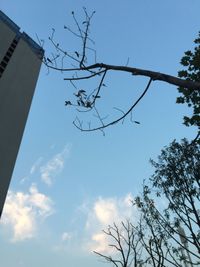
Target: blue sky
(68,185)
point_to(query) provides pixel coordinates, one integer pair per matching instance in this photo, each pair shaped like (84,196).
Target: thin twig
(120,118)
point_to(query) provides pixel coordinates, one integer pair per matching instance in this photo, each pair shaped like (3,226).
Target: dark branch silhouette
(82,65)
(103,126)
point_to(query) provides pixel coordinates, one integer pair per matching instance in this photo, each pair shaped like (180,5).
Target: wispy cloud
(65,242)
(24,211)
(104,212)
(54,166)
(36,164)
(47,170)
(34,168)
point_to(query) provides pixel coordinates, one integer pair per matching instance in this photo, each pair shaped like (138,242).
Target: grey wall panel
(17,86)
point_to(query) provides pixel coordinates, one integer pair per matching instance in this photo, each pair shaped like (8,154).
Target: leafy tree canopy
(191,72)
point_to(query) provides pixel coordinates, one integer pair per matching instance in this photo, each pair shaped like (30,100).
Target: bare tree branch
(120,118)
(80,65)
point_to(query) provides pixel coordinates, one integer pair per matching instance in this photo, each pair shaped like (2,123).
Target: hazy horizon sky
(67,185)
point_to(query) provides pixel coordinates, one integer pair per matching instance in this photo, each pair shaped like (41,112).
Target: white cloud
(105,212)
(66,236)
(23,211)
(54,166)
(99,242)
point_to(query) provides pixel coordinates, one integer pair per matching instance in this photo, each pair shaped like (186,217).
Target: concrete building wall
(6,37)
(17,85)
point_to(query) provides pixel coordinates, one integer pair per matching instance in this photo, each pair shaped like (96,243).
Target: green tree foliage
(176,182)
(177,179)
(191,72)
(168,231)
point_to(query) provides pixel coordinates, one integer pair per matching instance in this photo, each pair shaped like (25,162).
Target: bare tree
(136,245)
(126,246)
(82,65)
